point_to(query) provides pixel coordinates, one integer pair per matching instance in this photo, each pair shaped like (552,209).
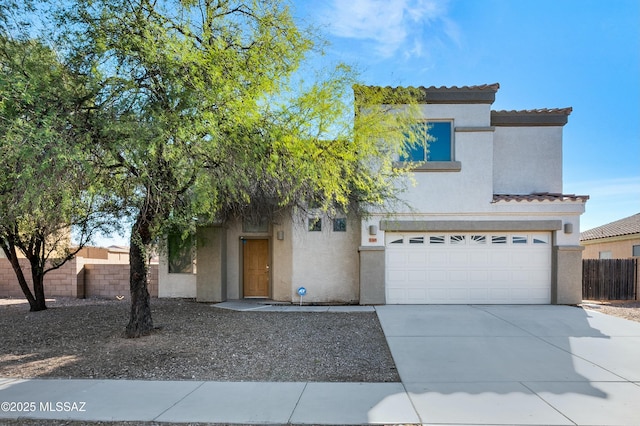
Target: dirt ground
(84,339)
(193,341)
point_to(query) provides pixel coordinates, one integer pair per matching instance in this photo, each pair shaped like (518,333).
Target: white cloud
(391,25)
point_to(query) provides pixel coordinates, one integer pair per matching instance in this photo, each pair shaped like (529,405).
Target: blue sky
(544,53)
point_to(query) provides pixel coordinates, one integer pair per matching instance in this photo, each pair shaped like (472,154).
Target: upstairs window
(430,141)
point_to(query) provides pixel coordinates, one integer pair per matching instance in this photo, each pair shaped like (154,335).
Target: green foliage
(208,120)
(185,111)
(47,184)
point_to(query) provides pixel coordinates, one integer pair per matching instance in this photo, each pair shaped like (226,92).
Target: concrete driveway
(555,365)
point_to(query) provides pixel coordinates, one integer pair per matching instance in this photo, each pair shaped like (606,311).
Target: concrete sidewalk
(219,402)
(516,365)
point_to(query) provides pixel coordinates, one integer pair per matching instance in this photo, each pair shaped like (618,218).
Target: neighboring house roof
(539,196)
(627,226)
(118,249)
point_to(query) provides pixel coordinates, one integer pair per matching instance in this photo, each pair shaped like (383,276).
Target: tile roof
(539,196)
(531,117)
(479,94)
(566,111)
(628,225)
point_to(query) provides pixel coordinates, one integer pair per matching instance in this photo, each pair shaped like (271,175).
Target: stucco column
(566,279)
(372,290)
(211,279)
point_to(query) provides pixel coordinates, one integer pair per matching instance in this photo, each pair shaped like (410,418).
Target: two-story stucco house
(486,222)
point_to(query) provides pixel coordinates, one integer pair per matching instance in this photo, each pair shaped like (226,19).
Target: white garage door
(484,268)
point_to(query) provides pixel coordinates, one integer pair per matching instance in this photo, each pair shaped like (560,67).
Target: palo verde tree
(47,188)
(205,120)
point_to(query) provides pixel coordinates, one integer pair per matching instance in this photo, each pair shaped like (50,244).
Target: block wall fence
(77,279)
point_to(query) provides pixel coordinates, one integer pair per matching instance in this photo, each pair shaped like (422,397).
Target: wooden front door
(255,268)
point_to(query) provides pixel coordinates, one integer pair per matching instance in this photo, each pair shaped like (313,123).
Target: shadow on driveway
(469,363)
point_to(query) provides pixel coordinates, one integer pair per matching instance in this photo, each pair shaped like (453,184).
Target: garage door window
(439,239)
(478,239)
(457,239)
(468,239)
(518,239)
(540,239)
(498,239)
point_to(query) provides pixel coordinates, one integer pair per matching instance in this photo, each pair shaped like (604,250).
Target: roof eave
(539,197)
(528,118)
(482,94)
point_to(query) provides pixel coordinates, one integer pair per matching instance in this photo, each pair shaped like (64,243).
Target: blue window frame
(433,142)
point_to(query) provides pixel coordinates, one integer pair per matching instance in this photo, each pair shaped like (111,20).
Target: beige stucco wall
(620,247)
(527,160)
(471,188)
(326,263)
(465,115)
(282,259)
(211,280)
(467,190)
(174,285)
(566,275)
(372,276)
(493,160)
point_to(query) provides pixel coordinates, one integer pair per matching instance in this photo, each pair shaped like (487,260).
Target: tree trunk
(34,305)
(37,276)
(38,291)
(140,322)
(10,253)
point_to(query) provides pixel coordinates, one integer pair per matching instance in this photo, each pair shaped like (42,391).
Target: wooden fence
(609,279)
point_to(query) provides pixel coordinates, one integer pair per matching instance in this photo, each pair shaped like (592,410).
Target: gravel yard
(84,339)
(627,309)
